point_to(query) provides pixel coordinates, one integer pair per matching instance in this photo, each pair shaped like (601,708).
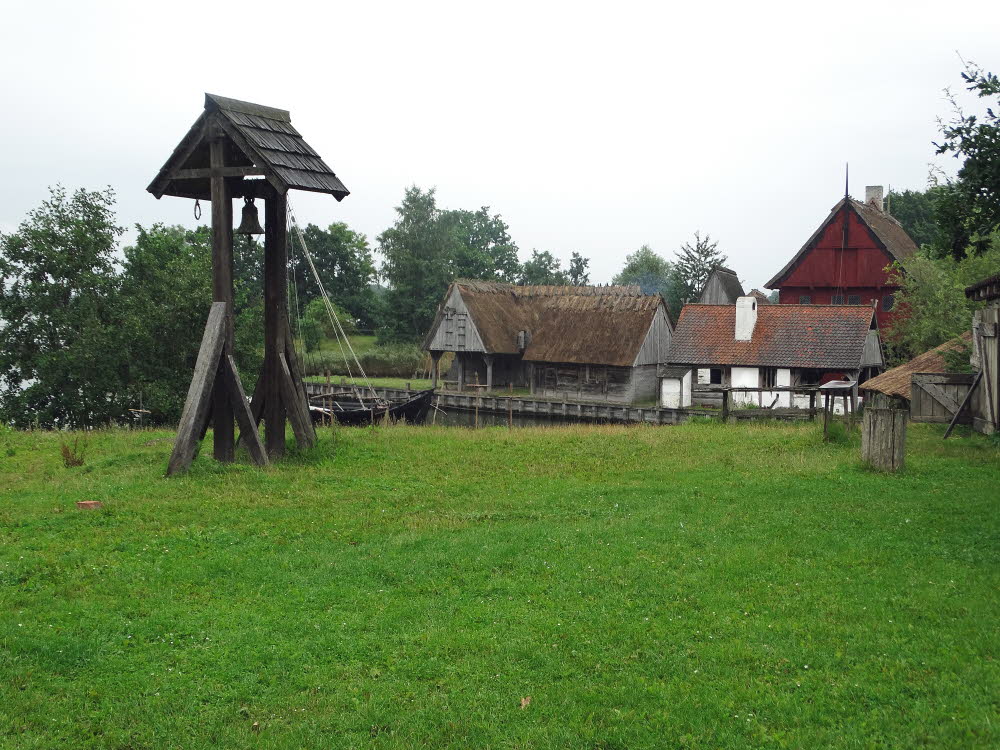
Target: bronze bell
(250,224)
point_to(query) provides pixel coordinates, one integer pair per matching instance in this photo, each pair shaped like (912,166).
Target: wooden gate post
(883,438)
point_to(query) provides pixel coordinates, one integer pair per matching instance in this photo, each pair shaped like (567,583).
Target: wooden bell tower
(241,150)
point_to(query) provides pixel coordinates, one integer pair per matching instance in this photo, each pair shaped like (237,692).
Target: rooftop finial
(847,173)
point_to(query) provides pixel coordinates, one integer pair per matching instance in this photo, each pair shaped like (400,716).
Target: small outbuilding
(587,343)
(722,287)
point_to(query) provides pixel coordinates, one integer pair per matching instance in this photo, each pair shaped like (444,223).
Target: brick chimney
(873,196)
(746,318)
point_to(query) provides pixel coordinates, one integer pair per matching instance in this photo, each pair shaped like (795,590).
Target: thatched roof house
(587,341)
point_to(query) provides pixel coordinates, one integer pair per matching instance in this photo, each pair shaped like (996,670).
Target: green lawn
(697,586)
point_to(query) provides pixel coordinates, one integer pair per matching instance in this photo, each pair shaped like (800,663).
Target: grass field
(701,586)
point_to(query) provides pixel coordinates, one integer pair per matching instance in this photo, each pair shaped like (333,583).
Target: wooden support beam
(275,320)
(965,401)
(222,291)
(298,413)
(201,174)
(238,400)
(196,406)
(300,387)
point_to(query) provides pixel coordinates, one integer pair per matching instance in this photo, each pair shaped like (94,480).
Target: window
(768,377)
(854,299)
(805,299)
(887,302)
(715,376)
(837,299)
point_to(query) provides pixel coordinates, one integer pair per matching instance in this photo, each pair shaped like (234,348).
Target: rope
(342,337)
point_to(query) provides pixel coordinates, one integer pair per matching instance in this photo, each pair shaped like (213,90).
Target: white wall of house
(783,379)
(704,376)
(745,377)
(675,392)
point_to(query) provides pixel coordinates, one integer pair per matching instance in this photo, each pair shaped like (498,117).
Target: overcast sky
(589,127)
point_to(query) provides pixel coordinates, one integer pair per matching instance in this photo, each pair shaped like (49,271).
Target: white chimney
(746,317)
(873,196)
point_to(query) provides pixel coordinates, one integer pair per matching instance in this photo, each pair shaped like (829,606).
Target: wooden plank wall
(934,397)
(986,340)
(657,342)
(446,336)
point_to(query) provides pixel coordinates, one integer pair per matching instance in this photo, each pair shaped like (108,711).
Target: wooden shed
(722,287)
(582,342)
(924,385)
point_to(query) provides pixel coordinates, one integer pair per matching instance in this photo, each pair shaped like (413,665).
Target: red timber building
(844,262)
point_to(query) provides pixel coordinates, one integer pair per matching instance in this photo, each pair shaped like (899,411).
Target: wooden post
(510,414)
(725,405)
(435,368)
(883,438)
(812,406)
(197,405)
(489,371)
(275,318)
(222,291)
(826,414)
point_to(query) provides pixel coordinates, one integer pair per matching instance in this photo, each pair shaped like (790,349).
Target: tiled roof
(889,233)
(814,336)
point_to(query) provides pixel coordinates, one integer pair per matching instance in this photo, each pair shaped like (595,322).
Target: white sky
(589,127)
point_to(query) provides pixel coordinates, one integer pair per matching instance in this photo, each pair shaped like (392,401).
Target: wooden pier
(526,406)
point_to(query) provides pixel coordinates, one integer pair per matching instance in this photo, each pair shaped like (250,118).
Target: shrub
(73,455)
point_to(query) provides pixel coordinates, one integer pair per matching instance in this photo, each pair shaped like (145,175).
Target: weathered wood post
(883,435)
(725,405)
(826,415)
(435,368)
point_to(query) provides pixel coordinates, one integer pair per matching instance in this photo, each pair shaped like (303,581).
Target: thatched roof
(603,325)
(886,230)
(896,382)
(825,337)
(762,299)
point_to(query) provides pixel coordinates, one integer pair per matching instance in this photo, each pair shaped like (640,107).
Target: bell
(250,224)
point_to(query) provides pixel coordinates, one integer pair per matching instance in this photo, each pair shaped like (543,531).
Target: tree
(695,263)
(418,250)
(916,210)
(344,263)
(578,273)
(427,248)
(162,304)
(485,249)
(57,277)
(974,197)
(543,268)
(931,301)
(654,274)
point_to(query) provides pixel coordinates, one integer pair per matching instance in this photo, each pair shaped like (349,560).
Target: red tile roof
(816,336)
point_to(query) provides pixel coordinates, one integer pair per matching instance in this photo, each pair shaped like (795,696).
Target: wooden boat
(347,409)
